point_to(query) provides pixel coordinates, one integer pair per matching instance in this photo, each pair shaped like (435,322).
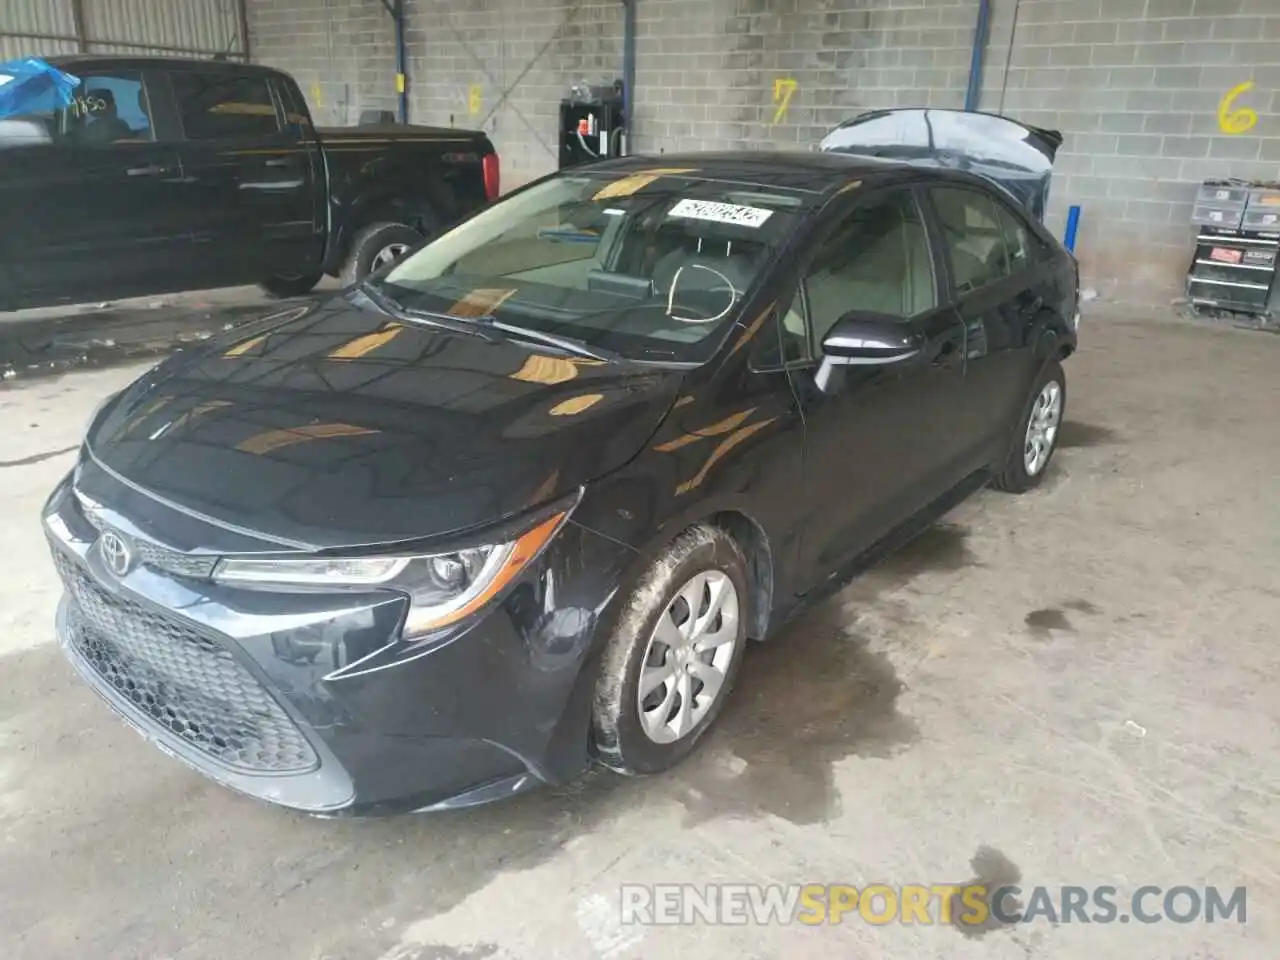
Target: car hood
(1013,155)
(334,425)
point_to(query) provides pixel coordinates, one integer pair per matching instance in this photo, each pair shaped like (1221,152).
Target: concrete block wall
(341,52)
(1134,85)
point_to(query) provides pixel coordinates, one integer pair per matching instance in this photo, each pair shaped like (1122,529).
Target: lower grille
(188,684)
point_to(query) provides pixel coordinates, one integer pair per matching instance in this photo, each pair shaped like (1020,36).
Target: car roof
(144,62)
(816,172)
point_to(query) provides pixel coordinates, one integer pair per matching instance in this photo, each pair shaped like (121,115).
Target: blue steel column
(395,8)
(402,78)
(980,34)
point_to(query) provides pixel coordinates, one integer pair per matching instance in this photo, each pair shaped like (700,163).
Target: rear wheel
(376,246)
(1036,436)
(670,664)
(284,287)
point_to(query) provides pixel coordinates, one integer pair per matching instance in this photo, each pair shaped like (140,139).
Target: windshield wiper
(482,325)
(388,304)
(567,344)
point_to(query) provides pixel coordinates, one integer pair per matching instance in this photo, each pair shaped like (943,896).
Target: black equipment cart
(1234,267)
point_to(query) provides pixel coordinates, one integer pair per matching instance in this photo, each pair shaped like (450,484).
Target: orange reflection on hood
(575,405)
(539,368)
(357,348)
(269,440)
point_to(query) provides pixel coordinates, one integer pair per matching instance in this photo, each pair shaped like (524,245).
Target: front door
(880,442)
(94,208)
(249,175)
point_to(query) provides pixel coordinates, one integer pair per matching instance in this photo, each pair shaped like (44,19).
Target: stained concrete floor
(1075,687)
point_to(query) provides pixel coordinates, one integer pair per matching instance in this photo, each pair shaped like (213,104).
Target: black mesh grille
(185,682)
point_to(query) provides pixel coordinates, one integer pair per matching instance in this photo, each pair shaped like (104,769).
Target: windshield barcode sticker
(721,213)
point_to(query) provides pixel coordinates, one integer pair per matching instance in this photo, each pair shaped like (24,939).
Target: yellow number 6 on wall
(1232,120)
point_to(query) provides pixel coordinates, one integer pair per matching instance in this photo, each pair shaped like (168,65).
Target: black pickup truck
(168,174)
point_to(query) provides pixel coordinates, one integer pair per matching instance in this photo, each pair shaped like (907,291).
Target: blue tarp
(33,86)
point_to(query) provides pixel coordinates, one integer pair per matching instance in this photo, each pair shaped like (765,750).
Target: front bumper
(311,701)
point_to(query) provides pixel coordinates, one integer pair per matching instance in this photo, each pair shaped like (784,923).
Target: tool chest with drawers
(1237,240)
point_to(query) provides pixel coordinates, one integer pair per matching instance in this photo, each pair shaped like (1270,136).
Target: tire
(283,288)
(370,244)
(1017,476)
(621,739)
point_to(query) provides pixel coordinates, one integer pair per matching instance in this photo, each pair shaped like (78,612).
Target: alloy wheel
(686,662)
(1042,428)
(389,254)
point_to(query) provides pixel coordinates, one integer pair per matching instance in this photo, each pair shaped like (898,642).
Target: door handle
(150,170)
(281,162)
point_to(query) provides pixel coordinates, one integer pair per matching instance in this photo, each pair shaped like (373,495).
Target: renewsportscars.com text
(974,905)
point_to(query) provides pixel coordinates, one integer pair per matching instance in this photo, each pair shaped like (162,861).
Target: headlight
(443,588)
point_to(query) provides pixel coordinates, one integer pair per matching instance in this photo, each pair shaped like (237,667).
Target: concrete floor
(1072,687)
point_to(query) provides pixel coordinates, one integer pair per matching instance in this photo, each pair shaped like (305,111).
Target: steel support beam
(395,9)
(628,69)
(77,20)
(242,12)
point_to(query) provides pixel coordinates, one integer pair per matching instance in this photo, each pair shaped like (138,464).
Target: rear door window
(216,106)
(973,237)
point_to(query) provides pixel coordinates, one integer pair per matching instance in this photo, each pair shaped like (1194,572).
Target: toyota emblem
(116,553)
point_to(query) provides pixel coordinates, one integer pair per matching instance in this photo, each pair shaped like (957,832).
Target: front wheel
(282,288)
(672,659)
(375,247)
(1036,435)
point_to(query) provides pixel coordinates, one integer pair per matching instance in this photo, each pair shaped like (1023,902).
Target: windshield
(649,265)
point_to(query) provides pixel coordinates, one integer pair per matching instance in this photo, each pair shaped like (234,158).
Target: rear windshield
(649,264)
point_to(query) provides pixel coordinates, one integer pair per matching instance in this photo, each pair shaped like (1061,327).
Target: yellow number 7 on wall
(783,90)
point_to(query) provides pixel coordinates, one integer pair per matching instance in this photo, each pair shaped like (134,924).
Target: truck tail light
(492,176)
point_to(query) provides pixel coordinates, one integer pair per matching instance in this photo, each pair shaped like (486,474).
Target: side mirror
(866,339)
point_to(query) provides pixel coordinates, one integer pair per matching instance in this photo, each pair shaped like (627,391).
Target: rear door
(249,176)
(992,273)
(96,209)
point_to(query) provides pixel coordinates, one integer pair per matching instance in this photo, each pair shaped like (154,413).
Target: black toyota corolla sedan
(519,502)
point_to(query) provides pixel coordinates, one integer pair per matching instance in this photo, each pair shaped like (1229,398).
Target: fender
(569,749)
(767,550)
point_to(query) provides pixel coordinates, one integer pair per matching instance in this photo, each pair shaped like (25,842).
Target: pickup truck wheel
(282,288)
(376,246)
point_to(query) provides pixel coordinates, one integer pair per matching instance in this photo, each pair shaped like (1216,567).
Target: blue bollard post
(1073,226)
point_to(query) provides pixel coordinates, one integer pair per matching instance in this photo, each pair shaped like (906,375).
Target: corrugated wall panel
(19,19)
(11,48)
(160,26)
(37,16)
